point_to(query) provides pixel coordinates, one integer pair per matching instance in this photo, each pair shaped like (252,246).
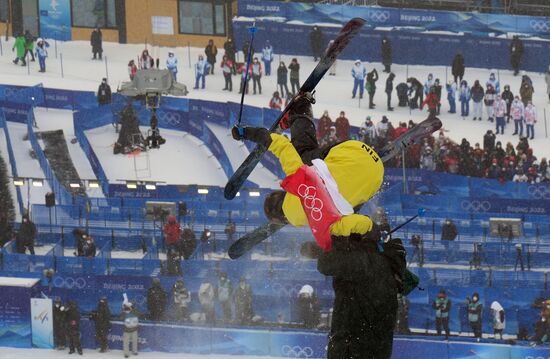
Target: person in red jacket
(432,101)
(172,232)
(276,102)
(400,130)
(342,127)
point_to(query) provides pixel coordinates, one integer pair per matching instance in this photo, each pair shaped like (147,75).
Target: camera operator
(154,139)
(442,306)
(476,256)
(519,257)
(188,243)
(418,251)
(475,308)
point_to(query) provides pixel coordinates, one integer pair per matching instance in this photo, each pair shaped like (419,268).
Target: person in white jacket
(530,114)
(499,108)
(358,72)
(516,112)
(499,321)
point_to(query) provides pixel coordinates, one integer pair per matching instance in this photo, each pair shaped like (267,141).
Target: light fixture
(131,184)
(93,184)
(37,183)
(202,191)
(254,194)
(74,185)
(150,186)
(18,182)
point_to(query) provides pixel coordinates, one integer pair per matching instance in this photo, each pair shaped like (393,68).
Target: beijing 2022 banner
(55,19)
(42,323)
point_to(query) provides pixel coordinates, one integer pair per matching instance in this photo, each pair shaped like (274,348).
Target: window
(202,17)
(92,13)
(4,10)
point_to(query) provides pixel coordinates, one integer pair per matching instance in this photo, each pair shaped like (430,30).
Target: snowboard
(350,29)
(251,239)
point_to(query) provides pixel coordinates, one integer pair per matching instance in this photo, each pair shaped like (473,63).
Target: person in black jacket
(96,40)
(59,335)
(211,52)
(448,230)
(316,41)
(402,94)
(230,50)
(246,49)
(294,75)
(416,92)
(156,301)
(516,52)
(308,307)
(489,141)
(104,95)
(508,97)
(25,236)
(282,79)
(372,77)
(389,89)
(366,282)
(458,67)
(386,54)
(102,318)
(88,247)
(73,328)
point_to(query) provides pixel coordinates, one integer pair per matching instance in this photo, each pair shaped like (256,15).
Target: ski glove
(255,134)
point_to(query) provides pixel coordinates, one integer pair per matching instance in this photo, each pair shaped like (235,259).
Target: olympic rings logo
(379,16)
(69,282)
(311,202)
(172,118)
(539,192)
(287,290)
(476,206)
(139,299)
(297,351)
(540,25)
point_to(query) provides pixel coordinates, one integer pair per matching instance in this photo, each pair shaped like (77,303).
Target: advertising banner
(42,323)
(55,19)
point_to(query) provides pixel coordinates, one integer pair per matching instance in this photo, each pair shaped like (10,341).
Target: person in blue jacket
(358,72)
(451,96)
(267,57)
(201,70)
(465,96)
(172,65)
(42,53)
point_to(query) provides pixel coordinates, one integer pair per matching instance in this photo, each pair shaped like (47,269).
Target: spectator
(402,94)
(276,102)
(294,68)
(330,139)
(29,45)
(19,47)
(24,238)
(96,40)
(477,96)
(465,96)
(243,303)
(427,160)
(386,50)
(256,75)
(104,93)
(211,51)
(358,72)
(489,141)
(489,101)
(384,130)
(88,247)
(516,52)
(432,102)
(368,133)
(508,97)
(332,70)
(201,70)
(172,233)
(246,49)
(517,112)
(59,333)
(182,299)
(230,230)
(41,53)
(493,82)
(451,96)
(206,299)
(132,69)
(499,321)
(458,67)
(172,65)
(442,306)
(342,127)
(102,318)
(225,294)
(475,308)
(146,61)
(245,78)
(131,326)
(438,90)
(400,130)
(282,79)
(429,84)
(156,301)
(547,79)
(500,114)
(230,51)
(418,252)
(267,57)
(416,96)
(530,114)
(324,125)
(316,41)
(308,307)
(188,243)
(448,231)
(72,318)
(526,92)
(389,89)
(372,77)
(173,265)
(227,69)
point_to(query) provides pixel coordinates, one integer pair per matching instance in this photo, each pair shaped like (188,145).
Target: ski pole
(421,212)
(385,236)
(252,30)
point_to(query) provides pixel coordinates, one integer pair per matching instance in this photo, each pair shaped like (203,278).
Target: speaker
(182,209)
(50,199)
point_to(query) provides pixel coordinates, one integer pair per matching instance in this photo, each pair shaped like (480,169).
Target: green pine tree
(7,210)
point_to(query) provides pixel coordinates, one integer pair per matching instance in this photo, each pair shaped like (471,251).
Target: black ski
(421,130)
(349,30)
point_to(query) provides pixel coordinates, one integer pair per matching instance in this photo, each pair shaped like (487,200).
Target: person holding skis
(42,53)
